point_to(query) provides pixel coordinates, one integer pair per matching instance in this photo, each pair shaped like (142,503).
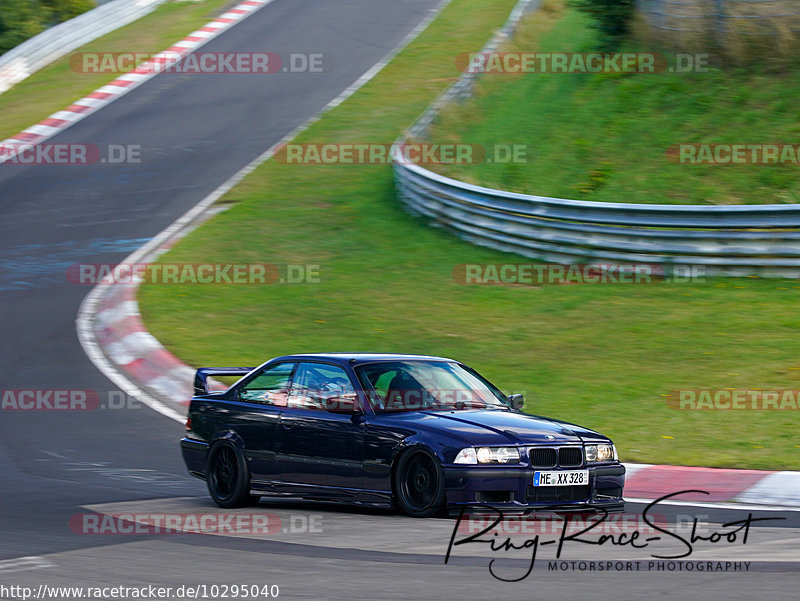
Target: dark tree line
(23,19)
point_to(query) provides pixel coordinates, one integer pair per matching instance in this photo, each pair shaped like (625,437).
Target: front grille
(542,457)
(570,456)
(550,457)
(546,494)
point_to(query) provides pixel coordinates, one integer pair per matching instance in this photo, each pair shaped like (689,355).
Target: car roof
(357,358)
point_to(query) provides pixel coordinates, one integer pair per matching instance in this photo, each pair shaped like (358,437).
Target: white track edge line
(721,505)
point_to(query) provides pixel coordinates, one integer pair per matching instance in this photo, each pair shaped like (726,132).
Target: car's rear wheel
(228,478)
(419,484)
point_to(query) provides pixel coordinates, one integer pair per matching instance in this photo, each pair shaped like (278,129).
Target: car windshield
(396,386)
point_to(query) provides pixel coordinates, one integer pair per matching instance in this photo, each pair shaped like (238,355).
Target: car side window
(382,383)
(270,387)
(376,383)
(317,385)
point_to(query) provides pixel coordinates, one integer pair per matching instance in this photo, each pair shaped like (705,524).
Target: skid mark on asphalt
(23,564)
(39,265)
(107,470)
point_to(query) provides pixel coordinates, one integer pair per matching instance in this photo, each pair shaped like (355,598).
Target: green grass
(600,355)
(57,85)
(603,137)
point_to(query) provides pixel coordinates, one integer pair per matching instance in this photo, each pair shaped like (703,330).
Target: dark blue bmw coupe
(425,434)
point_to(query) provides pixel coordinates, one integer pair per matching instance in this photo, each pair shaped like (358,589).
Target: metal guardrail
(731,240)
(725,240)
(41,50)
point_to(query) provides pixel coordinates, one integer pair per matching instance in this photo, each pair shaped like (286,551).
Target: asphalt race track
(195,131)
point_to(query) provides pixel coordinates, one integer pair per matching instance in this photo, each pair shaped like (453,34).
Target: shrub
(611,18)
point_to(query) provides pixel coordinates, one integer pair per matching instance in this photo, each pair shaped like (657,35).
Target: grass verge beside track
(57,85)
(603,136)
(600,355)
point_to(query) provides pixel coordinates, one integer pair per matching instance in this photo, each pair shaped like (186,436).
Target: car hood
(493,427)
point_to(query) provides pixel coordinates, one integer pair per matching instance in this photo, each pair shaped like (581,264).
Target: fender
(230,436)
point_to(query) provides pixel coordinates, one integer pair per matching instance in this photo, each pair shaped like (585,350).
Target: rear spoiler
(202,375)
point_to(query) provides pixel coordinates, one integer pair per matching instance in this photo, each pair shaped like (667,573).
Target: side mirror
(516,400)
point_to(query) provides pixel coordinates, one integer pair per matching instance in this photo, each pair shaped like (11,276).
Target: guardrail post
(720,26)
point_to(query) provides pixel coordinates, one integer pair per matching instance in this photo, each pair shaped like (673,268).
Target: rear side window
(317,385)
(270,386)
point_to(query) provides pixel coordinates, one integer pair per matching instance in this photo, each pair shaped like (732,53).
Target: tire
(419,484)
(227,477)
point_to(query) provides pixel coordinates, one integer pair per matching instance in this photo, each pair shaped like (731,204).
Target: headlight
(466,456)
(600,452)
(484,455)
(488,455)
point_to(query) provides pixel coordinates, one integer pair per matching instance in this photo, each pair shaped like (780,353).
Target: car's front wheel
(419,484)
(227,477)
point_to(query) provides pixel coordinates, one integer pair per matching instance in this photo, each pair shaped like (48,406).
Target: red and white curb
(80,109)
(752,487)
(118,329)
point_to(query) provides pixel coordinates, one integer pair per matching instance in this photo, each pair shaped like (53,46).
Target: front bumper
(511,488)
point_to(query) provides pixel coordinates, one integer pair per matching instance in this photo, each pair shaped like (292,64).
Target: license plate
(567,478)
